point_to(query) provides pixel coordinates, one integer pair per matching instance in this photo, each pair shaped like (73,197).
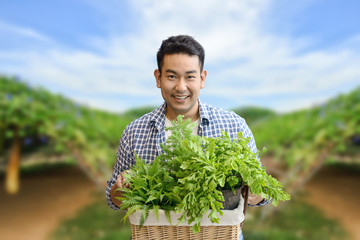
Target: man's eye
(191,77)
(171,76)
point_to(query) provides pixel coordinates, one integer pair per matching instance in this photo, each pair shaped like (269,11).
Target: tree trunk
(12,171)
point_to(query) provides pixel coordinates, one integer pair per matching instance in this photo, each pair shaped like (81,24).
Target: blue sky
(284,55)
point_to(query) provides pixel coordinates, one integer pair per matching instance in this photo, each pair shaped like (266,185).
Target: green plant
(150,188)
(198,168)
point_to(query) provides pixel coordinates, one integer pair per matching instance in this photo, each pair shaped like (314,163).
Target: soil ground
(336,192)
(45,199)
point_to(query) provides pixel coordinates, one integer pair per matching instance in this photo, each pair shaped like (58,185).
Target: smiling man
(180,79)
(180,76)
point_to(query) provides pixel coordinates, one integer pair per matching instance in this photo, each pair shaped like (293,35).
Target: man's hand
(254,199)
(120,183)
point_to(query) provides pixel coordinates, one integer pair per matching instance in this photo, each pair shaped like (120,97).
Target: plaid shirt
(145,134)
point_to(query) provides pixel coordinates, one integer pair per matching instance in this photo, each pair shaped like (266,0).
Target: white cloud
(22,32)
(246,59)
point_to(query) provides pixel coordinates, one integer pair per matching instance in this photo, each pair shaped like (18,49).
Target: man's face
(180,82)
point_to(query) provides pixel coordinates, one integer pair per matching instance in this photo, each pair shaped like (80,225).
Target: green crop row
(301,137)
(38,117)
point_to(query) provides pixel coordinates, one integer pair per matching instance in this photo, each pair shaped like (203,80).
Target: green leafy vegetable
(191,172)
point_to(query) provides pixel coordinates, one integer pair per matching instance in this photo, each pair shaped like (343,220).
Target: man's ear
(157,76)
(203,77)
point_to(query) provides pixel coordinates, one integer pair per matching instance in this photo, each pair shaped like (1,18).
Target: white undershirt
(168,123)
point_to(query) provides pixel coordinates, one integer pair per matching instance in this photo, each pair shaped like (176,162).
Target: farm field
(55,155)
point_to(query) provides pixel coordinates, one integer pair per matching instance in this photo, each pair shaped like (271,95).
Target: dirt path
(336,193)
(43,201)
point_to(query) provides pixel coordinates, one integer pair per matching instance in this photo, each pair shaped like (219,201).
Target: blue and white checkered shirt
(145,134)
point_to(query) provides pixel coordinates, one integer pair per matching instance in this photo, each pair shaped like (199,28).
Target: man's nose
(181,85)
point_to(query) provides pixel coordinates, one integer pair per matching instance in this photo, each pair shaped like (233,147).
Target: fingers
(121,181)
(252,195)
(254,199)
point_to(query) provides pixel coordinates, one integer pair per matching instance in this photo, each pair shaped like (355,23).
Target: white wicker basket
(227,229)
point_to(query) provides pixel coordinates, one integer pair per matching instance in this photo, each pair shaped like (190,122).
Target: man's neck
(193,117)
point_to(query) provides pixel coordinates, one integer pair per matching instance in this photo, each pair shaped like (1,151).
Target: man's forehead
(180,55)
(181,58)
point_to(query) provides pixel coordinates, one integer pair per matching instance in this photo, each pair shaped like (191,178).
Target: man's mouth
(181,97)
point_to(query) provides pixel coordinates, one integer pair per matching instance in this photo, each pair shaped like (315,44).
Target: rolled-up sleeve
(123,162)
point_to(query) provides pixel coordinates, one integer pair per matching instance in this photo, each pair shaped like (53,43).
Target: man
(180,76)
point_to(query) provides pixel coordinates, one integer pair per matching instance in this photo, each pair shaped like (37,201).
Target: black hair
(180,44)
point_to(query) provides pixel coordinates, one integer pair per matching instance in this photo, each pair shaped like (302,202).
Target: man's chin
(180,111)
(181,108)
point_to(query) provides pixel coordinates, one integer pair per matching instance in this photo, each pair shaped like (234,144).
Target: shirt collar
(158,116)
(204,114)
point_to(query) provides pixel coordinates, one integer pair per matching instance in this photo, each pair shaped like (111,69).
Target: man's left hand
(254,199)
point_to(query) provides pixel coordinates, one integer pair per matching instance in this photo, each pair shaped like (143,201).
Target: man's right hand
(119,183)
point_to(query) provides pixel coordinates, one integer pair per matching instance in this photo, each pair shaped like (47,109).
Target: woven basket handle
(245,195)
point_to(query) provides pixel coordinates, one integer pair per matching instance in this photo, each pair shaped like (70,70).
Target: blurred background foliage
(253,114)
(301,142)
(53,126)
(35,122)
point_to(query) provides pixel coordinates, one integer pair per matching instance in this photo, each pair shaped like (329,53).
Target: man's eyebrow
(190,72)
(171,71)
